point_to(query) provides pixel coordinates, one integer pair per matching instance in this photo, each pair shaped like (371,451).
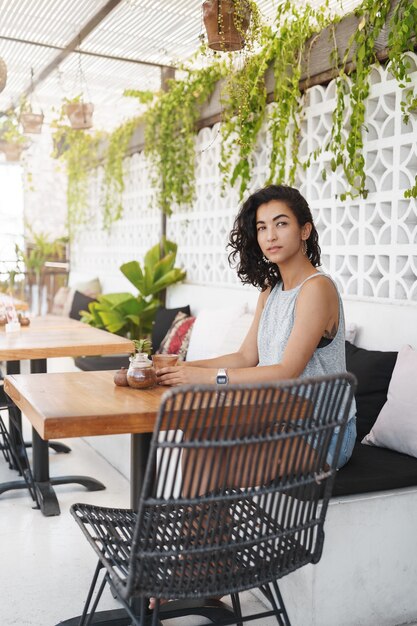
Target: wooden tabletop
(80,404)
(57,336)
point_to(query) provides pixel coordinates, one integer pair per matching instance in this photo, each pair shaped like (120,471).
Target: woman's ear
(306,231)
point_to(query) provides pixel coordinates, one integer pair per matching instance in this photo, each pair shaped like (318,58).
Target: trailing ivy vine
(113,176)
(170,126)
(348,152)
(402,36)
(79,151)
(172,116)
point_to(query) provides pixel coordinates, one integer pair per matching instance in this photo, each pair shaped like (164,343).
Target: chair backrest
(237,486)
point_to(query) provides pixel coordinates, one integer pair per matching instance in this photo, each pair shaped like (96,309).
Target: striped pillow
(178,337)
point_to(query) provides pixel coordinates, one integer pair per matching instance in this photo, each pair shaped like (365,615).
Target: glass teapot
(141,373)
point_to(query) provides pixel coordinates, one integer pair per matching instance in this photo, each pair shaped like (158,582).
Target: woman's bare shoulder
(321,286)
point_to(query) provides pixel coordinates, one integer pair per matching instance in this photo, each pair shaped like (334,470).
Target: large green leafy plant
(131,315)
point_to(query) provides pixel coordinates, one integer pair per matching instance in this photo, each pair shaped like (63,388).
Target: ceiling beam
(84,52)
(74,43)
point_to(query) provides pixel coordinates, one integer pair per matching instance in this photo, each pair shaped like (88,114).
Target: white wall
(369,246)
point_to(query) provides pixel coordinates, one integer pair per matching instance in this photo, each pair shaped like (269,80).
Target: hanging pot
(220,22)
(80,114)
(3,74)
(12,151)
(31,122)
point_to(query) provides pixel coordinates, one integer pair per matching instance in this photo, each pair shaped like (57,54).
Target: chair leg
(85,615)
(236,607)
(276,602)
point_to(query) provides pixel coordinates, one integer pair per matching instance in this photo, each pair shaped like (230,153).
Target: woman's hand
(181,375)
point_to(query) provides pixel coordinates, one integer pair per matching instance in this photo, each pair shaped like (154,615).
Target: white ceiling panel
(161,32)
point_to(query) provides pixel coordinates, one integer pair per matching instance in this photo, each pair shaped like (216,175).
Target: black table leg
(19,460)
(47,499)
(139,452)
(39,366)
(15,424)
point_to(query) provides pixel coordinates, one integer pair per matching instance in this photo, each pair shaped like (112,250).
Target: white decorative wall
(369,246)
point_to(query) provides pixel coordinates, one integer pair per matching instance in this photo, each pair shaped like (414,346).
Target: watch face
(221,379)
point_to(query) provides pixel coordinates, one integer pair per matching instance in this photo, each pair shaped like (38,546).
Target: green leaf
(133,272)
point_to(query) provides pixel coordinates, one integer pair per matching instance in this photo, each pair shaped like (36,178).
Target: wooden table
(52,336)
(81,404)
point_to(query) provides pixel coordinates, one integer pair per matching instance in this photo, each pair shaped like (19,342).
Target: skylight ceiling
(124,43)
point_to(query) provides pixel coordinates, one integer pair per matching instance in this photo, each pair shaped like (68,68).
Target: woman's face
(278,232)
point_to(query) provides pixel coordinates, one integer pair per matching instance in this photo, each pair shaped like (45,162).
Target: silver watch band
(222,377)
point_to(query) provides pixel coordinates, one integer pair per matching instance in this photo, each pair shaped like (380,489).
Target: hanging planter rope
(3,74)
(31,122)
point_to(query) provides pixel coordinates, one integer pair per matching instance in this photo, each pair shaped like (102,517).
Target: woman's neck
(293,275)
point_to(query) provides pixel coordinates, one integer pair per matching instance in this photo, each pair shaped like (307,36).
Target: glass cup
(164,360)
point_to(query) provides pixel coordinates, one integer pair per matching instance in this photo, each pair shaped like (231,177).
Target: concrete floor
(46,563)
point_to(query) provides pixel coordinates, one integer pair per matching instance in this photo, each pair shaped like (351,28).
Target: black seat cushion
(375,469)
(107,362)
(372,468)
(373,370)
(80,302)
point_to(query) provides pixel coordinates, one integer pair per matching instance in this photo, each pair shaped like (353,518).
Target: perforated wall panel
(369,246)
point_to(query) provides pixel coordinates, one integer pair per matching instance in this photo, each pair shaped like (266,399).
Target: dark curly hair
(246,254)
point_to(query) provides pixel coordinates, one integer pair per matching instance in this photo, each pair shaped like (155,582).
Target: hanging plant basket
(80,114)
(226,22)
(3,74)
(31,122)
(12,151)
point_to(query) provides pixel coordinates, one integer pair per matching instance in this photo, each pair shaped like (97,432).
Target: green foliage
(170,126)
(10,130)
(79,152)
(143,345)
(144,97)
(402,36)
(113,177)
(40,249)
(361,48)
(133,316)
(171,119)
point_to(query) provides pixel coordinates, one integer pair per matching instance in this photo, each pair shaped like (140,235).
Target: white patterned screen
(369,246)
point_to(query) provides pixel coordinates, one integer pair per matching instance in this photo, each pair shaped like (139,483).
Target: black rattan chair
(247,448)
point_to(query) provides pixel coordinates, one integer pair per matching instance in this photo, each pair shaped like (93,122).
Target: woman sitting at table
(298,329)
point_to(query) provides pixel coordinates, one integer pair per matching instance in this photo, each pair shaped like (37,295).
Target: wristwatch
(222,377)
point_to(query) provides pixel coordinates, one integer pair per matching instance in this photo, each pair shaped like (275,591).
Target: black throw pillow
(373,370)
(80,302)
(163,320)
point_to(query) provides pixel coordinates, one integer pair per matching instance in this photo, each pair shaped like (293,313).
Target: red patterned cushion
(178,337)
